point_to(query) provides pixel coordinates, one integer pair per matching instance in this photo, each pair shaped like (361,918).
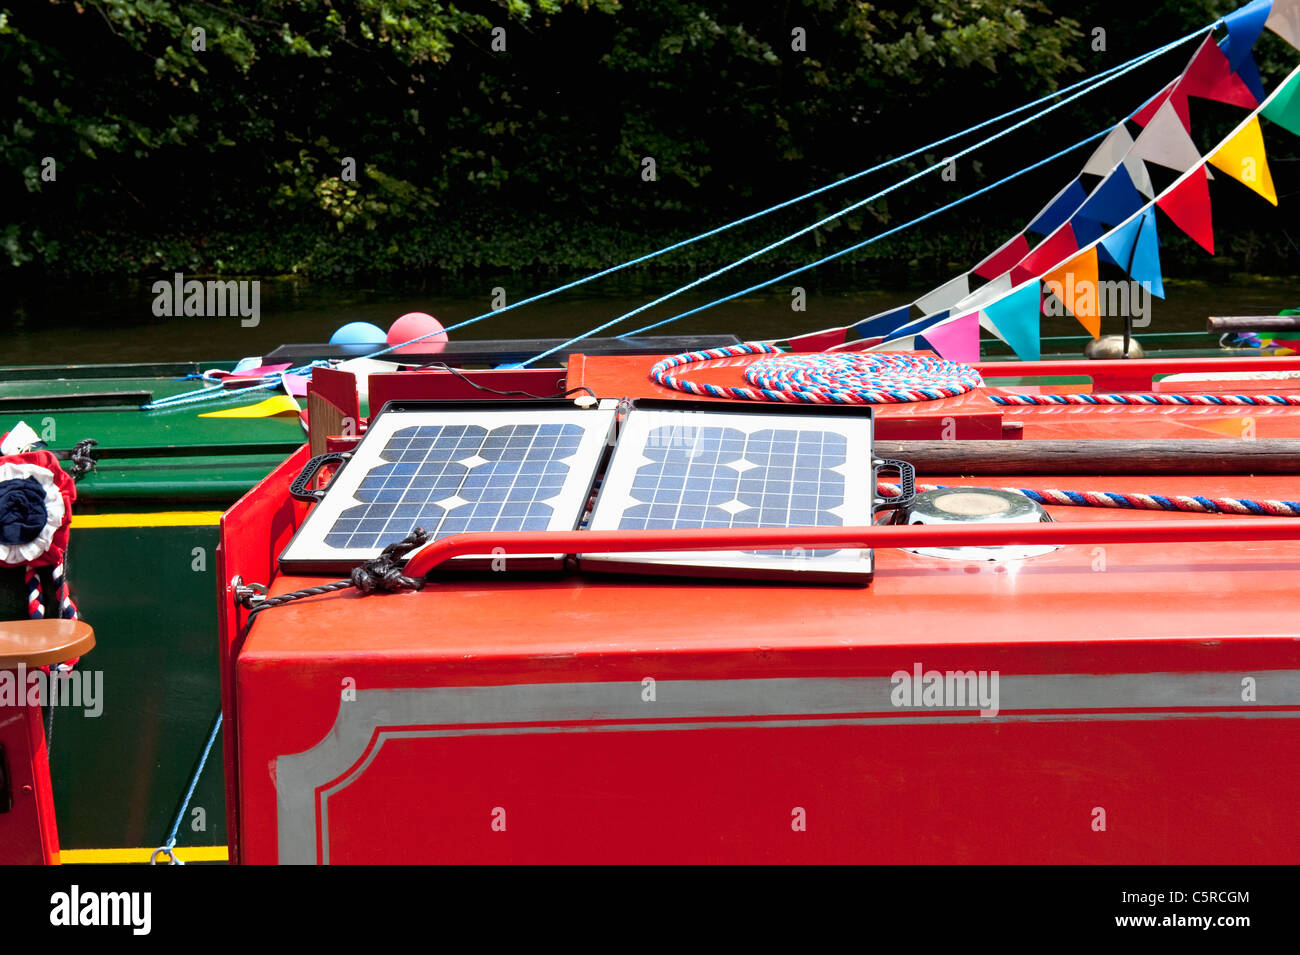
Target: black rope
(79,456)
(381,575)
(443,366)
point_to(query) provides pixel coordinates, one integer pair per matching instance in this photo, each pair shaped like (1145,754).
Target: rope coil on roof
(821,378)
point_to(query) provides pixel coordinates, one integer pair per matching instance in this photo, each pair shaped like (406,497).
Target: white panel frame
(615,494)
(308,547)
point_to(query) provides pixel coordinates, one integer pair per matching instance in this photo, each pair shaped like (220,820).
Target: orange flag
(1075,284)
(1242,157)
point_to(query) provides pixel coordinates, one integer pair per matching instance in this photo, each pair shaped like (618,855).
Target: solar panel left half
(455,471)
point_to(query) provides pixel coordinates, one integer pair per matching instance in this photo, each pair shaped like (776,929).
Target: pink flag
(957,340)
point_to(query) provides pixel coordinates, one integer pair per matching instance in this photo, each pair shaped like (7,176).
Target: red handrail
(879,535)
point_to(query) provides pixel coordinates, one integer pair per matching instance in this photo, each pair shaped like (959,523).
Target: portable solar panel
(700,466)
(452,469)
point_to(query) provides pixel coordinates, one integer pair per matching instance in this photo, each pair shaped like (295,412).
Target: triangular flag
(1284,107)
(1110,204)
(958,340)
(1244,27)
(1114,200)
(945,295)
(1137,171)
(1086,231)
(279,405)
(1165,142)
(1249,74)
(257,372)
(1111,152)
(1017,318)
(1056,248)
(993,289)
(920,325)
(884,323)
(1209,76)
(1242,157)
(1059,209)
(1007,255)
(897,344)
(1135,248)
(1075,284)
(1188,205)
(819,341)
(1284,20)
(1177,102)
(295,386)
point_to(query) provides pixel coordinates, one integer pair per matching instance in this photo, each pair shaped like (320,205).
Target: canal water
(114,321)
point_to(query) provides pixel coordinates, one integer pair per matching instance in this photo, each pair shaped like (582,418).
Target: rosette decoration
(36,497)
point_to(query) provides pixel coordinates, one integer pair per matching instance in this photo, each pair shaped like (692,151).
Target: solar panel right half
(739,466)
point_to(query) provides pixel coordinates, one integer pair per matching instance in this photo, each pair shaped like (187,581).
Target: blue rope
(1091,83)
(194,782)
(1140,61)
(877,238)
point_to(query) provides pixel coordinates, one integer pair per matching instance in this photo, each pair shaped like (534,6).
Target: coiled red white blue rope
(1140,502)
(1145,399)
(820,378)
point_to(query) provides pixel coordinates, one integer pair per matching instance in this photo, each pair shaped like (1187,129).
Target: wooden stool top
(36,643)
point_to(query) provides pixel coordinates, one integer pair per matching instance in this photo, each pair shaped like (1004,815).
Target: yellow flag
(1242,158)
(1075,284)
(279,405)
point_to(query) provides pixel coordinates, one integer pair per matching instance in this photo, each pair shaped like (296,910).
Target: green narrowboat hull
(141,565)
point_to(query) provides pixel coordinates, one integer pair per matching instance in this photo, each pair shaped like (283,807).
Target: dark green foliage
(229,159)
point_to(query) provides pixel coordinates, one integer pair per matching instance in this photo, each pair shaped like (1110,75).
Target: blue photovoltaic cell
(453,478)
(720,477)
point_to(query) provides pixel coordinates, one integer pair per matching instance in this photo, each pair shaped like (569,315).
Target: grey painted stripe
(298,775)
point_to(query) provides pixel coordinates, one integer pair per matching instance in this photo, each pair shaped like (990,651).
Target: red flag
(819,341)
(1188,205)
(1210,76)
(1053,250)
(1176,98)
(1007,255)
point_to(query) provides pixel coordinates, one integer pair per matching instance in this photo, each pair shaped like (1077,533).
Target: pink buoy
(414,325)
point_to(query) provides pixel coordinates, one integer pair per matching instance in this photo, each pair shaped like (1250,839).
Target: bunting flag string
(1186,202)
(1171,97)
(1116,221)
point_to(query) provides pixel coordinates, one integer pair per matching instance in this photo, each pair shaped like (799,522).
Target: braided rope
(35,595)
(820,378)
(1145,399)
(1140,502)
(62,595)
(80,458)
